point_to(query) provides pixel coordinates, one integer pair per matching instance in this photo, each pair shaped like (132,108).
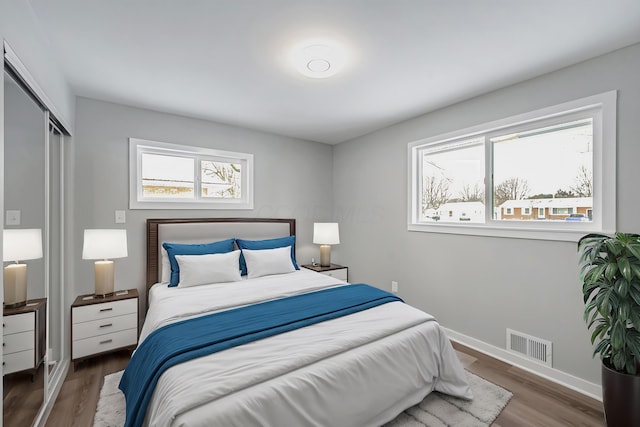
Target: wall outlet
(13,218)
(120,217)
(394,286)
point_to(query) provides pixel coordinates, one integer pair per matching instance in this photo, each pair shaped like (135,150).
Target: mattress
(362,369)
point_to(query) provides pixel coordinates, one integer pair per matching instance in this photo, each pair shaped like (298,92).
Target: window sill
(189,205)
(553,234)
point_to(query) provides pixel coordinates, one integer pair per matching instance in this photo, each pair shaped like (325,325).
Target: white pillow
(264,262)
(209,268)
(165,276)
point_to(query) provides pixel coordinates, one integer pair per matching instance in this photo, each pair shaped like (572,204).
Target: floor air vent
(530,347)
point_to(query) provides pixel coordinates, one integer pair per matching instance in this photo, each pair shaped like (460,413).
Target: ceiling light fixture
(318,58)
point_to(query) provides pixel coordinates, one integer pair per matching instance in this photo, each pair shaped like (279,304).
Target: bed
(361,369)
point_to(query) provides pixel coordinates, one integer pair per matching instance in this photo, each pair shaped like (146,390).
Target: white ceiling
(226,60)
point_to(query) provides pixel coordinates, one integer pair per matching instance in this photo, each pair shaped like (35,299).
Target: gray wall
(479,286)
(292,179)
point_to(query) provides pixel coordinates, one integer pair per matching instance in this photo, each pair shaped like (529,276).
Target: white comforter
(358,370)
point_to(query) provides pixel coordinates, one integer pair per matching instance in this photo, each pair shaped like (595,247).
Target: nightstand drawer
(99,344)
(104,326)
(104,310)
(18,342)
(20,361)
(18,323)
(338,274)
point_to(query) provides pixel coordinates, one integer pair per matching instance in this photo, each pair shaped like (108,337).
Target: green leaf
(624,311)
(634,248)
(604,348)
(599,332)
(635,268)
(623,286)
(617,336)
(614,247)
(625,268)
(619,361)
(611,270)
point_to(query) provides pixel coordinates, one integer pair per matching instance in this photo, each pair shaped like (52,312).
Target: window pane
(549,169)
(453,183)
(221,179)
(167,176)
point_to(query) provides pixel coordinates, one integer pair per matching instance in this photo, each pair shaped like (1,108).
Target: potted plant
(610,275)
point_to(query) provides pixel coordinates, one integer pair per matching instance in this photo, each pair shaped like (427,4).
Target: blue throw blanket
(215,332)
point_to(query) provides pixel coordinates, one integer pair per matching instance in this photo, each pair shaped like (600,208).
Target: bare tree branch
(435,192)
(584,183)
(511,189)
(472,194)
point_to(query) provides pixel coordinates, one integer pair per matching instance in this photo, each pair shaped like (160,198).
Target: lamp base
(15,285)
(325,255)
(103,274)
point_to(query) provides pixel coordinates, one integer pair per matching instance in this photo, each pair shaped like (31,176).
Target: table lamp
(325,234)
(102,245)
(19,245)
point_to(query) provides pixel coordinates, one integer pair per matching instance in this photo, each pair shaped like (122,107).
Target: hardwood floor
(78,398)
(536,401)
(23,396)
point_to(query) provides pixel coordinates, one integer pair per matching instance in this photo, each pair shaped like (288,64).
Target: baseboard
(562,378)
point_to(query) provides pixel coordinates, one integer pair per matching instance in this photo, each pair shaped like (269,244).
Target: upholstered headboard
(203,230)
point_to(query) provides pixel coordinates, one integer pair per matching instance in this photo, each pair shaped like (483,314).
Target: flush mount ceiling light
(318,59)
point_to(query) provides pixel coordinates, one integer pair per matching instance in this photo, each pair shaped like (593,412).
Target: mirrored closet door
(24,200)
(33,332)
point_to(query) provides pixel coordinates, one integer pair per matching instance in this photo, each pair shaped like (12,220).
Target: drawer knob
(106,341)
(107,325)
(106,309)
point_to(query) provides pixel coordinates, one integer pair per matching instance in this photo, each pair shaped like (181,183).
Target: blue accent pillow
(280,242)
(174,249)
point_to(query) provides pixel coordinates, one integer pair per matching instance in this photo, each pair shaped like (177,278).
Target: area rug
(436,410)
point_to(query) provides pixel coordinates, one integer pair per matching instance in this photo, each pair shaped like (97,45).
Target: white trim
(12,58)
(136,146)
(559,377)
(604,159)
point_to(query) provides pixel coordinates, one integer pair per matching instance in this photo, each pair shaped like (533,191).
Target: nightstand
(103,324)
(24,331)
(334,270)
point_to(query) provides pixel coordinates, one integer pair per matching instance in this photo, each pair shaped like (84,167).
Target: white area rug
(436,410)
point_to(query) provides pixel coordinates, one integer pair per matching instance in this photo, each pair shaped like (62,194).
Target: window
(494,175)
(170,176)
(561,211)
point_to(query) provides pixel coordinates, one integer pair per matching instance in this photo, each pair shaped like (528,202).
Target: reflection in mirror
(24,193)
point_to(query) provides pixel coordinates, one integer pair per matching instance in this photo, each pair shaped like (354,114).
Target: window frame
(138,147)
(601,107)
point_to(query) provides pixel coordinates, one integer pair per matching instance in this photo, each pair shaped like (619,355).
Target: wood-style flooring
(535,402)
(22,397)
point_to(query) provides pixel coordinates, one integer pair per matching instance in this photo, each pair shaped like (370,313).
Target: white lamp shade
(21,244)
(326,233)
(104,244)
